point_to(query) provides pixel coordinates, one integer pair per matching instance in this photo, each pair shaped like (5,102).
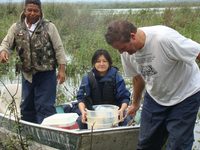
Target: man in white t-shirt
(164,62)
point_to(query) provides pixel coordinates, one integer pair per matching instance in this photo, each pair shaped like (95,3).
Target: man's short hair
(119,30)
(36,2)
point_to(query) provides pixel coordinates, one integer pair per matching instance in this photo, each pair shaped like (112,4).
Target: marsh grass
(82,32)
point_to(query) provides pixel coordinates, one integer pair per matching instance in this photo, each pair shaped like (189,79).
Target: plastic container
(100,126)
(103,116)
(101,120)
(62,120)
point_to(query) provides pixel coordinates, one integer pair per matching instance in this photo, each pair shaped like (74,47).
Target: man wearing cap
(164,61)
(40,51)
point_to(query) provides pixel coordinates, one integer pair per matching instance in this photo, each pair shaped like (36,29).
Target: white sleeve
(57,44)
(8,40)
(184,49)
(129,65)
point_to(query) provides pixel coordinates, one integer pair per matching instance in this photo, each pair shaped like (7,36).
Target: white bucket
(103,116)
(62,120)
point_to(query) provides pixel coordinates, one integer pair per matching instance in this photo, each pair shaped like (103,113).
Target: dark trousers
(38,97)
(172,125)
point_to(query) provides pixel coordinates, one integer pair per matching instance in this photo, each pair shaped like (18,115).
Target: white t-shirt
(167,64)
(32,28)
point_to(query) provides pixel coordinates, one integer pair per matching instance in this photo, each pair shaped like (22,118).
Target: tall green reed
(82,32)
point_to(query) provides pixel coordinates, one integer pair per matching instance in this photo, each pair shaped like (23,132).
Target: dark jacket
(120,93)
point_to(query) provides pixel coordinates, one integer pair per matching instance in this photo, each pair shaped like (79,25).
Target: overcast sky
(80,0)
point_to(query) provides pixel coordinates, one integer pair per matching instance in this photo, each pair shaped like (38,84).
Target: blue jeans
(172,125)
(38,97)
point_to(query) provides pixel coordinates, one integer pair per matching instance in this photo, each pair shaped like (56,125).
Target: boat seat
(6,98)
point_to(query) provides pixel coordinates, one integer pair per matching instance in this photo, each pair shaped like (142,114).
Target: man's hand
(122,111)
(133,109)
(84,117)
(4,56)
(138,87)
(121,115)
(61,74)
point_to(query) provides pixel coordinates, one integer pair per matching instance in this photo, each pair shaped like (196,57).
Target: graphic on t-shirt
(148,70)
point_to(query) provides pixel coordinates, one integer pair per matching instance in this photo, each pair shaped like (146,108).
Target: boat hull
(118,138)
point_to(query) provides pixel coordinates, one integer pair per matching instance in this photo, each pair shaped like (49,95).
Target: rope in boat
(22,143)
(68,91)
(91,138)
(12,96)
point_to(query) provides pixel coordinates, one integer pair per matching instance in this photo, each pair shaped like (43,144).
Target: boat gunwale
(72,131)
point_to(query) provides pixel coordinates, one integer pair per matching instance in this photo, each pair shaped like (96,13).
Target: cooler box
(62,120)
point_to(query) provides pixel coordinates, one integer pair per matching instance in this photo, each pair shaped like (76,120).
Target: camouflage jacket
(36,51)
(43,47)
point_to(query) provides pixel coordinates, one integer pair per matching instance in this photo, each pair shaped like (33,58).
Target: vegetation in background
(154,4)
(82,31)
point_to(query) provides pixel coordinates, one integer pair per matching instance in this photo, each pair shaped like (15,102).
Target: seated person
(102,85)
